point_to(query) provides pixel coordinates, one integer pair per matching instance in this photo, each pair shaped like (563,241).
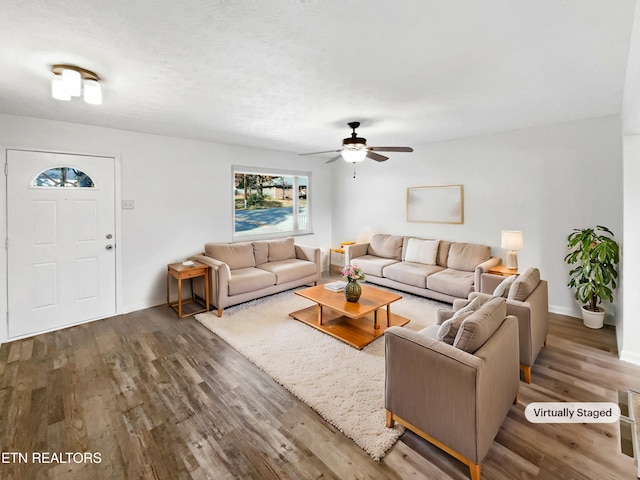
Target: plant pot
(593,319)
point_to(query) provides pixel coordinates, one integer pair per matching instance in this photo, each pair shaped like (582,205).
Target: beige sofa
(456,395)
(528,300)
(437,269)
(245,271)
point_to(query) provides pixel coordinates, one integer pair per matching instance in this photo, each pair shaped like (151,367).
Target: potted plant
(595,255)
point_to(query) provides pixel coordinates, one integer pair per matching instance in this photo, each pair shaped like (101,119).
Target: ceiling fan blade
(377,157)
(318,153)
(391,149)
(334,159)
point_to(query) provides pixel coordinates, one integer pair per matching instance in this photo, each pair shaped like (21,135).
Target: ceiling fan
(354,149)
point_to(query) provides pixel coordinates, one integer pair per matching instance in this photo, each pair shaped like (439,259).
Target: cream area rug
(344,385)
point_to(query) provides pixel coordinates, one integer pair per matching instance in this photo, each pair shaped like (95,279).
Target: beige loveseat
(455,393)
(437,269)
(245,271)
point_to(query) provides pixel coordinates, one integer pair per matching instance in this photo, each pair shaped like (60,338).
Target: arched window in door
(67,177)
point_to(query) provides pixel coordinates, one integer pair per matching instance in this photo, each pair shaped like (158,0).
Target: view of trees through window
(270,204)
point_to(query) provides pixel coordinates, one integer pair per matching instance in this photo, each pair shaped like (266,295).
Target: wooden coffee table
(356,323)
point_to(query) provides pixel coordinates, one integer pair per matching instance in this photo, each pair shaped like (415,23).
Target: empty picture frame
(436,204)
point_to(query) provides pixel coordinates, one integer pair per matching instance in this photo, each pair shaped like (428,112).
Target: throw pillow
(525,284)
(479,326)
(502,290)
(449,328)
(422,251)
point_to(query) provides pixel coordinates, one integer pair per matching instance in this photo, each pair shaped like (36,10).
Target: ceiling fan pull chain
(354,170)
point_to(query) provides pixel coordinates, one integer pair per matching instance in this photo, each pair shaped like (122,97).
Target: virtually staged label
(572,412)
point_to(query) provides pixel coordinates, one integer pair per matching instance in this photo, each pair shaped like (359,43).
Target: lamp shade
(354,155)
(511,239)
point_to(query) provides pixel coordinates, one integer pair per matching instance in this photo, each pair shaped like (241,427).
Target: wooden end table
(181,272)
(502,270)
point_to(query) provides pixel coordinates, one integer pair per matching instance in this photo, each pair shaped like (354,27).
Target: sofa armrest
(310,254)
(442,315)
(354,251)
(305,252)
(482,268)
(489,282)
(218,282)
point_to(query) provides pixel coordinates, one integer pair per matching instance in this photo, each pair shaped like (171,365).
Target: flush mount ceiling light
(71,81)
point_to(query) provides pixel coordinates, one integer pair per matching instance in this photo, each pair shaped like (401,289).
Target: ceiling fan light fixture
(71,81)
(92,92)
(59,89)
(354,155)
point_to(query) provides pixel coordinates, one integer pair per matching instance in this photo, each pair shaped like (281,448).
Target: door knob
(109,247)
(109,236)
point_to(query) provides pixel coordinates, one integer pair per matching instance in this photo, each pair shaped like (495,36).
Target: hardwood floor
(151,396)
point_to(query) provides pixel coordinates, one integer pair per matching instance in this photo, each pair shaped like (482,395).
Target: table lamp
(511,241)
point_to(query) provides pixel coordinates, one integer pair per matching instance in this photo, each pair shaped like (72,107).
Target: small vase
(352,291)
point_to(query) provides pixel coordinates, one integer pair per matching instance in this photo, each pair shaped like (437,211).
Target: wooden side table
(339,251)
(181,272)
(502,270)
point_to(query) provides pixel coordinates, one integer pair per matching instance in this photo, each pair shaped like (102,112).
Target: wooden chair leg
(527,373)
(390,421)
(474,469)
(220,312)
(515,400)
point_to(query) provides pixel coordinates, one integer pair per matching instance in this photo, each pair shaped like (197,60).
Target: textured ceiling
(289,75)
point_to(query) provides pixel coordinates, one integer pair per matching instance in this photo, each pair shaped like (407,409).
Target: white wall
(544,181)
(629,332)
(182,193)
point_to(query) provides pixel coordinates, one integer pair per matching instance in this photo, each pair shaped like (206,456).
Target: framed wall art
(436,204)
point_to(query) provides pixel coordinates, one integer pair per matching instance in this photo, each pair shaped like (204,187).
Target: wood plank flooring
(155,397)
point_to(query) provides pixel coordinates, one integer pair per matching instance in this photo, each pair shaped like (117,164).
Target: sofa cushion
(371,265)
(261,252)
(421,251)
(410,273)
(236,255)
(243,280)
(281,249)
(386,246)
(524,285)
(289,270)
(451,282)
(443,253)
(478,327)
(467,256)
(502,290)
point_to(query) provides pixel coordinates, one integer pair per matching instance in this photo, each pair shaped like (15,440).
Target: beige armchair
(455,399)
(528,300)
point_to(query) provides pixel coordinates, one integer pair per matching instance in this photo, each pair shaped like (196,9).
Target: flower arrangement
(353,273)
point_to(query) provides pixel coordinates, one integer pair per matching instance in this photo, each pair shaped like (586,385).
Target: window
(63,177)
(270,203)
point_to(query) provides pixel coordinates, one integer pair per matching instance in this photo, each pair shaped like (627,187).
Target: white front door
(61,240)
